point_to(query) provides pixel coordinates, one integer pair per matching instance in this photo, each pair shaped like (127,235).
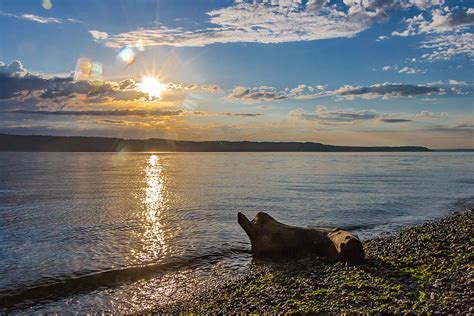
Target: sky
(342,72)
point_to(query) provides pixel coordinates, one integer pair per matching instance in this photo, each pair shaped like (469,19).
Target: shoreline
(426,268)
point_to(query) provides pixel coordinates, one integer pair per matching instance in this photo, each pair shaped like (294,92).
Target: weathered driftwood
(269,237)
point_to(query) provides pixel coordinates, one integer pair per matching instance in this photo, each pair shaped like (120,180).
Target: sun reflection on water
(154,189)
(154,206)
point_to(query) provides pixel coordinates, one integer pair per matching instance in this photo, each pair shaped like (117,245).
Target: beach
(424,269)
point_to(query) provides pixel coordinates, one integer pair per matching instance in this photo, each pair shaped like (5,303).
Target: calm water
(128,231)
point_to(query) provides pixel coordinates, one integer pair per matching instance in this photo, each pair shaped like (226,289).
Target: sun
(151,86)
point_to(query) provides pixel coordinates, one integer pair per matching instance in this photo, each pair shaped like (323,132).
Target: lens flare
(88,70)
(47,5)
(151,86)
(127,54)
(96,72)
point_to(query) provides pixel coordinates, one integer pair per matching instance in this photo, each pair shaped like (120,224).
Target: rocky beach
(418,270)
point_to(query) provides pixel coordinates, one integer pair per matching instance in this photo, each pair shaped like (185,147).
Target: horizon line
(246,141)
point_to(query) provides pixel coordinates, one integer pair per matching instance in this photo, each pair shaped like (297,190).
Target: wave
(59,287)
(463,204)
(465,181)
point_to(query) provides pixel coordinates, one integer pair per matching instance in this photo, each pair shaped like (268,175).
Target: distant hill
(102,144)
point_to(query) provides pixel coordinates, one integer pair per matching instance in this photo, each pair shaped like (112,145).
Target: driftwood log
(270,237)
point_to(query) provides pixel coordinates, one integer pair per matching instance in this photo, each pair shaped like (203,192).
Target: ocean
(125,232)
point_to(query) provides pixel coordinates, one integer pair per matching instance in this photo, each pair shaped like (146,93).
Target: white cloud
(382,38)
(446,20)
(386,68)
(32,18)
(457,82)
(447,31)
(456,90)
(447,46)
(40,19)
(98,35)
(269,22)
(441,21)
(393,4)
(431,115)
(410,70)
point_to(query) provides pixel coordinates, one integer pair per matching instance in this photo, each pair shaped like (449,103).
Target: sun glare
(151,86)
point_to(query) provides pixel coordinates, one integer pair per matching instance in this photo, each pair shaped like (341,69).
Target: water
(128,231)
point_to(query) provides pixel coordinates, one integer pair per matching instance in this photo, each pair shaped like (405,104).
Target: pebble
(392,281)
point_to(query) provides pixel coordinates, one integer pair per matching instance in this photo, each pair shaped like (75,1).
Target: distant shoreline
(40,143)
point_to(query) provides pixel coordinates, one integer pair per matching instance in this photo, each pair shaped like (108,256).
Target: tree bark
(270,237)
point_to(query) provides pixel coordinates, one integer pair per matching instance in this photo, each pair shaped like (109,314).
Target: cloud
(211,88)
(456,90)
(17,83)
(250,95)
(258,94)
(315,5)
(394,120)
(466,129)
(266,22)
(23,93)
(392,4)
(447,46)
(446,20)
(446,30)
(404,70)
(386,90)
(441,20)
(323,116)
(203,113)
(35,18)
(430,115)
(465,125)
(410,70)
(15,69)
(98,35)
(382,38)
(126,123)
(458,82)
(35,86)
(242,114)
(143,113)
(40,19)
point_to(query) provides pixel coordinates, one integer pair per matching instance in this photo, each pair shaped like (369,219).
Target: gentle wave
(55,288)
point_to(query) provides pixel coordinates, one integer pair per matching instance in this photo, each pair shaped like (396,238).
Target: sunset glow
(352,73)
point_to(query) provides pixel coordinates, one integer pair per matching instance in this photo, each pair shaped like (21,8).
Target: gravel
(423,269)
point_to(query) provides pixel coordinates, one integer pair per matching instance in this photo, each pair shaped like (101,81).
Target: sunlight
(151,86)
(154,205)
